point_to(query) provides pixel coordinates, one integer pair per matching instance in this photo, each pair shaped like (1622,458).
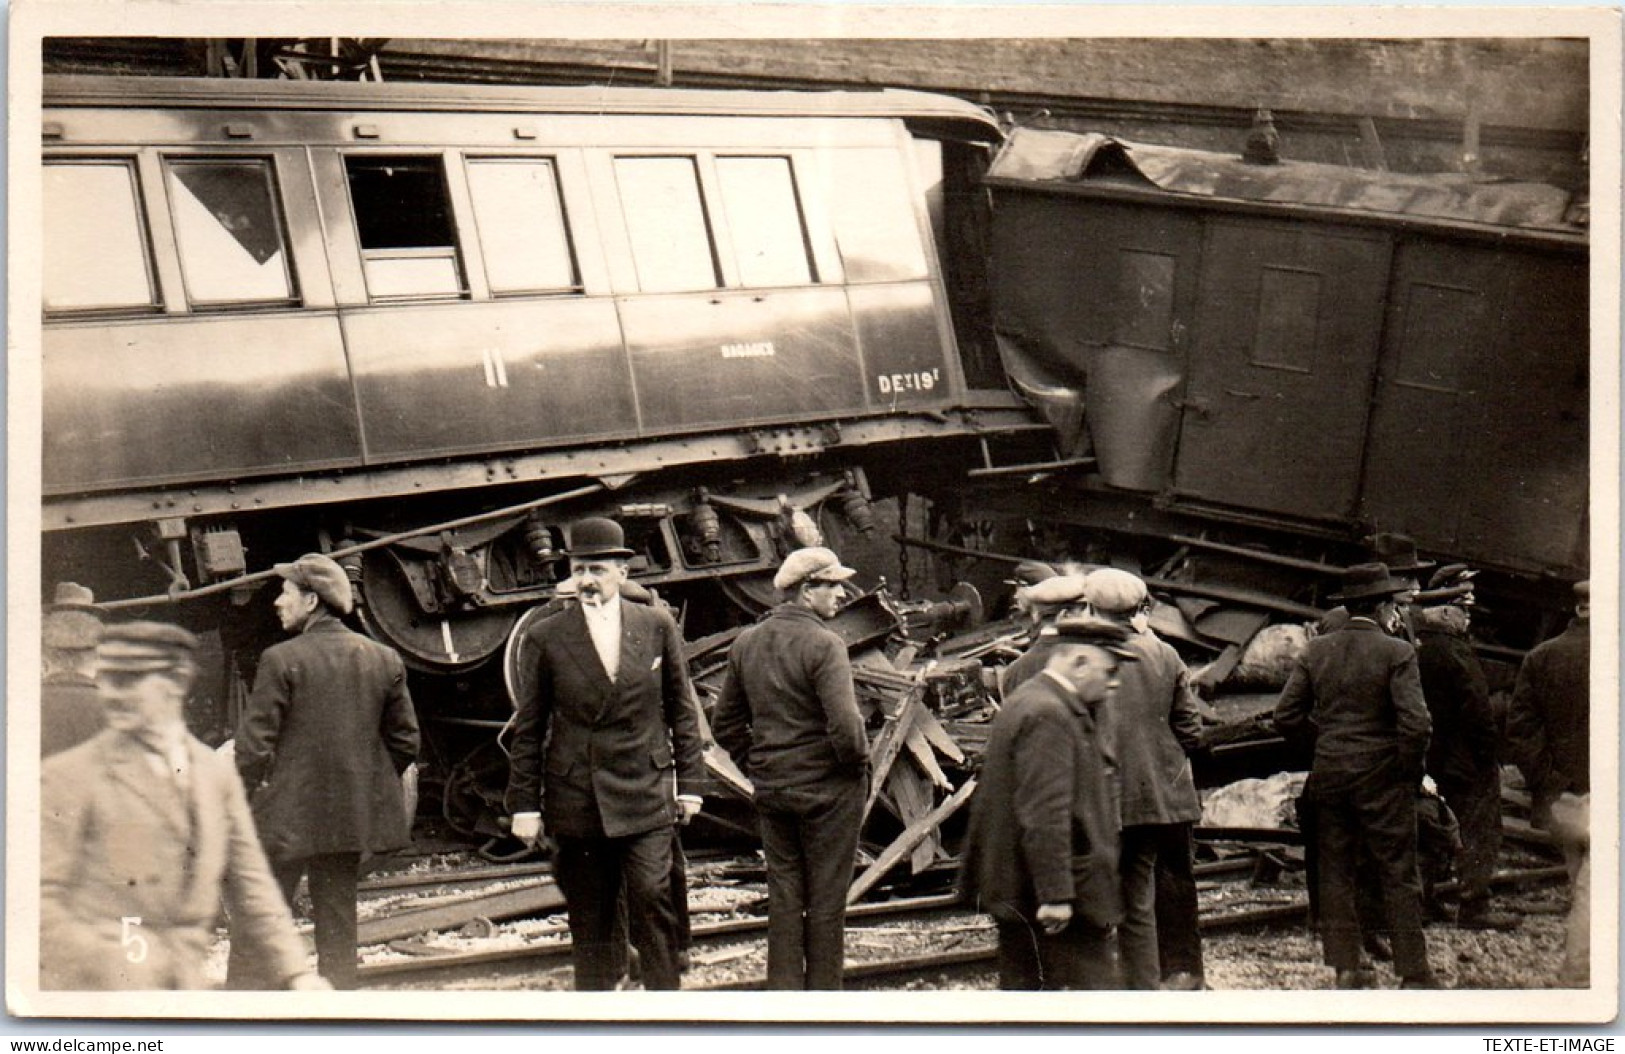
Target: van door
(1281,370)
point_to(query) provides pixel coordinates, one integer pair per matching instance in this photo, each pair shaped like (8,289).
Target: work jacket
(788,714)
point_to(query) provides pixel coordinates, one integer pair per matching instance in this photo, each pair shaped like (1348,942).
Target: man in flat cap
(1463,755)
(144,831)
(1048,600)
(1356,695)
(1041,852)
(70,711)
(1153,723)
(1549,738)
(327,732)
(788,715)
(606,750)
(1027,573)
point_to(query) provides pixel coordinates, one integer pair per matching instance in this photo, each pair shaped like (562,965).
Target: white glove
(527,827)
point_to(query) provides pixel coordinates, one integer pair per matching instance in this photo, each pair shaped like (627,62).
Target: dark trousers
(1377,809)
(332,887)
(1179,940)
(1137,933)
(679,905)
(1477,805)
(1368,907)
(1082,956)
(809,841)
(594,874)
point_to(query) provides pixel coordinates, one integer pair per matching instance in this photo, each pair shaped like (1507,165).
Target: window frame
(461,249)
(577,286)
(718,227)
(166,162)
(132,164)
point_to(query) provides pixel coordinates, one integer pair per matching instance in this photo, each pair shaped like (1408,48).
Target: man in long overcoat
(145,832)
(606,757)
(1041,852)
(1355,693)
(328,730)
(1153,721)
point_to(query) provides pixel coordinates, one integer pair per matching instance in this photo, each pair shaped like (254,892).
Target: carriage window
(764,220)
(875,221)
(403,218)
(95,249)
(521,221)
(665,216)
(228,231)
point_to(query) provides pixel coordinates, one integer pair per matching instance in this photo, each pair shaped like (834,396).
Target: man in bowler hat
(328,730)
(70,711)
(603,737)
(1356,695)
(145,832)
(788,715)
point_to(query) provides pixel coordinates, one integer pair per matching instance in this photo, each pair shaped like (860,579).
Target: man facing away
(1356,694)
(145,832)
(1153,722)
(603,736)
(1041,852)
(789,717)
(328,730)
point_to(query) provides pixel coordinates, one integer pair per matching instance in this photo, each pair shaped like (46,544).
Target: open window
(96,250)
(228,231)
(404,222)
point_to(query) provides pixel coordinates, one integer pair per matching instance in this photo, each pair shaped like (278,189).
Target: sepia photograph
(813,514)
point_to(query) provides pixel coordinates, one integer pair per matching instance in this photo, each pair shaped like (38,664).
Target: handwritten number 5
(135,945)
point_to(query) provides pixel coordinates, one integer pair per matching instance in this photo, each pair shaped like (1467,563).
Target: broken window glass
(229,231)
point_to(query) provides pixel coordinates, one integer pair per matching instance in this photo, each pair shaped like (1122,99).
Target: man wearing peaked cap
(1463,753)
(1355,695)
(1153,723)
(70,712)
(1048,600)
(321,746)
(606,759)
(1041,851)
(1030,573)
(788,716)
(815,564)
(146,832)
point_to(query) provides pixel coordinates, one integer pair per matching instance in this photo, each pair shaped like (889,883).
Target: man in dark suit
(1041,852)
(603,736)
(1356,694)
(328,730)
(145,834)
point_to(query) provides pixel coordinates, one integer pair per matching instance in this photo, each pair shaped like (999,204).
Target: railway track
(889,944)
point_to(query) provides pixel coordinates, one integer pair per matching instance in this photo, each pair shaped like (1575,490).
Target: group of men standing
(1080,842)
(1080,837)
(1392,703)
(146,833)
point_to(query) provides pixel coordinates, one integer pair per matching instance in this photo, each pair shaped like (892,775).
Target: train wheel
(436,642)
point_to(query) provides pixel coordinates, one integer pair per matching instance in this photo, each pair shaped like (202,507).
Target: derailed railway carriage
(425,327)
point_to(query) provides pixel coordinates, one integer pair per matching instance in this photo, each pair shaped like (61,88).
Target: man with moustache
(603,736)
